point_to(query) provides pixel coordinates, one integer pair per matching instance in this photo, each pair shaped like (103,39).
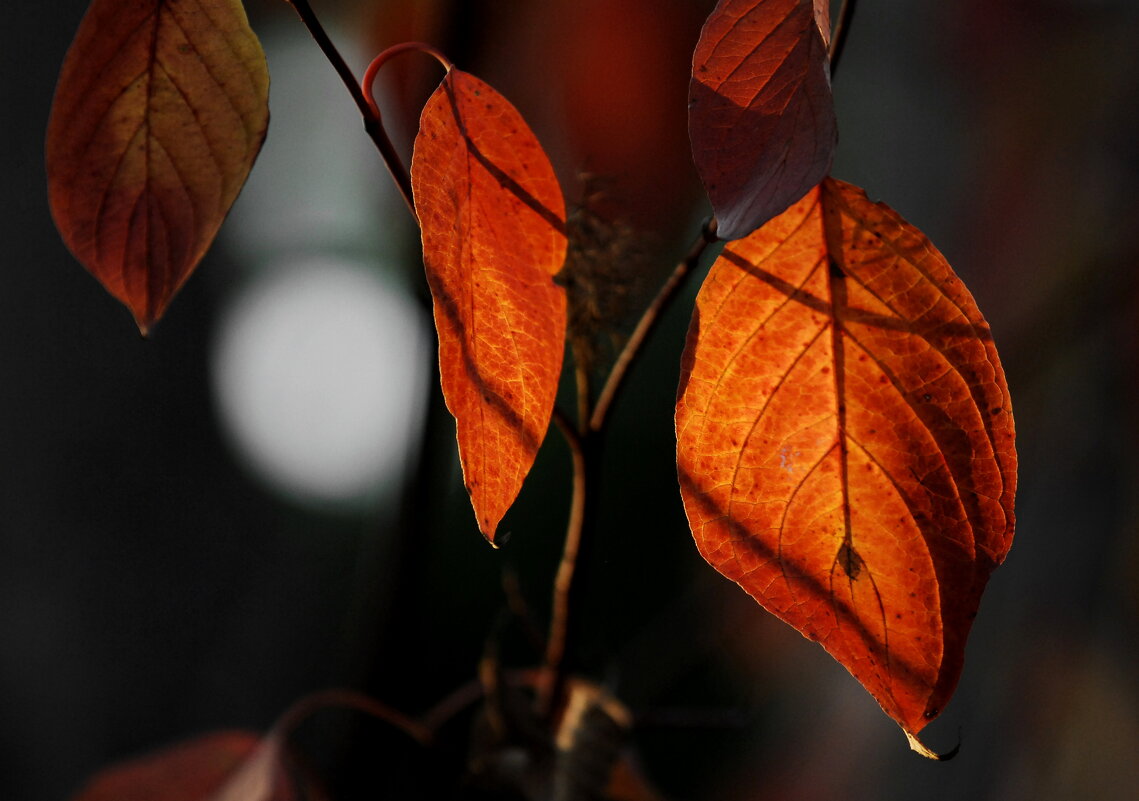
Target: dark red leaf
(761,116)
(189,771)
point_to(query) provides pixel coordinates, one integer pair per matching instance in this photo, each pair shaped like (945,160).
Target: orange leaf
(760,112)
(493,224)
(845,442)
(160,110)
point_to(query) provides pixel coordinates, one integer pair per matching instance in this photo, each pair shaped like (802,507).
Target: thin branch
(838,34)
(648,322)
(553,677)
(584,385)
(373,124)
(468,694)
(349,699)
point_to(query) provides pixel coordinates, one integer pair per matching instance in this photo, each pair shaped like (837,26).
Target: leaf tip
(919,747)
(496,540)
(145,318)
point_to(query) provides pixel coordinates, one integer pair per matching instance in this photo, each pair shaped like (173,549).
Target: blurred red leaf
(236,765)
(760,112)
(159,113)
(493,225)
(191,771)
(845,442)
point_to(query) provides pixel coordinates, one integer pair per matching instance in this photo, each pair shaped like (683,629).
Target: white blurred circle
(320,374)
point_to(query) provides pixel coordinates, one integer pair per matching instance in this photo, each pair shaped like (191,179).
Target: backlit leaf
(160,110)
(760,112)
(845,442)
(493,225)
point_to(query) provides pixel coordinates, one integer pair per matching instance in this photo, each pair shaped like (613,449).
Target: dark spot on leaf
(849,560)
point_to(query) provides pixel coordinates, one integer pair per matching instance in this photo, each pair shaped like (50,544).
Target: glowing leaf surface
(493,225)
(845,441)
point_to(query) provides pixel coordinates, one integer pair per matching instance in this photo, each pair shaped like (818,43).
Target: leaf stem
(373,123)
(583,384)
(584,441)
(350,699)
(553,674)
(838,34)
(648,322)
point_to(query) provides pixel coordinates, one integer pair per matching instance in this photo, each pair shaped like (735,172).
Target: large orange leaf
(761,115)
(845,442)
(160,110)
(493,225)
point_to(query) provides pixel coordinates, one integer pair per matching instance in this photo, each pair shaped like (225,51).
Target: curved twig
(648,322)
(373,122)
(349,699)
(838,34)
(553,674)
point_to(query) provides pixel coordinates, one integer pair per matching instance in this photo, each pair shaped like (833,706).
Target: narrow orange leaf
(760,111)
(159,113)
(493,225)
(845,441)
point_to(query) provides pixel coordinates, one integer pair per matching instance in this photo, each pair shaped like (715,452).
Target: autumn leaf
(237,765)
(760,112)
(493,226)
(159,113)
(191,771)
(845,442)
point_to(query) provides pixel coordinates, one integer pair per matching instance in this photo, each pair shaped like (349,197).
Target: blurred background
(263,499)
